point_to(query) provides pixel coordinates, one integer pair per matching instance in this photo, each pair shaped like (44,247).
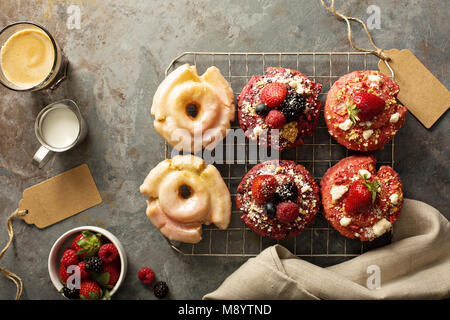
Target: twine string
(8,274)
(377,51)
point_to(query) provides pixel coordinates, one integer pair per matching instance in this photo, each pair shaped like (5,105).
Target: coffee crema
(27,58)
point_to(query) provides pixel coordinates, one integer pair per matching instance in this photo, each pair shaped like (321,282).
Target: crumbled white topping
(366,124)
(394,198)
(347,124)
(345,221)
(306,188)
(337,192)
(367,134)
(395,117)
(258,130)
(364,173)
(381,227)
(374,78)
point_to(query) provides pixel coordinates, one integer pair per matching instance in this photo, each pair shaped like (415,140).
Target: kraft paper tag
(60,197)
(420,91)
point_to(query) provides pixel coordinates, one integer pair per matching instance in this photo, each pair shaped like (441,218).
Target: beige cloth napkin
(416,265)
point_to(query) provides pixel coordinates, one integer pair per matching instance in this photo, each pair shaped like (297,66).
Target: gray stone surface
(118,58)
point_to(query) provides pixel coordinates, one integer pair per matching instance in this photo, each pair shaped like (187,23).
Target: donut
(294,113)
(191,111)
(183,193)
(347,102)
(278,199)
(341,189)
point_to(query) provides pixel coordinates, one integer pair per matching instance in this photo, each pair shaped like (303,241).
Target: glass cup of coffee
(59,127)
(30,58)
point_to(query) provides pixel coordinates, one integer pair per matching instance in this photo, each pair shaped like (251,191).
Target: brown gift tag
(60,197)
(420,91)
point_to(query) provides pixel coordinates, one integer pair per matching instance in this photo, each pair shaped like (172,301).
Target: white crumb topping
(367,134)
(395,117)
(381,227)
(337,192)
(364,173)
(394,198)
(345,221)
(347,124)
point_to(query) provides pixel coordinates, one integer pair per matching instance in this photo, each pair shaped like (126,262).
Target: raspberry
(84,274)
(108,253)
(264,187)
(287,212)
(69,258)
(161,289)
(275,119)
(114,273)
(63,275)
(273,94)
(146,275)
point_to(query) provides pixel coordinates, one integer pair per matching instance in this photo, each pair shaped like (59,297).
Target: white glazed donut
(180,217)
(213,98)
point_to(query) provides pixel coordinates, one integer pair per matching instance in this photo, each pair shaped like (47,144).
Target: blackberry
(161,289)
(71,293)
(270,209)
(286,192)
(293,106)
(94,264)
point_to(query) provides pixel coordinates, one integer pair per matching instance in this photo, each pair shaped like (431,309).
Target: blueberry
(261,109)
(270,209)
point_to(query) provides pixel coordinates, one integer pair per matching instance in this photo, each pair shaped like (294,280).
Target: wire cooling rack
(320,242)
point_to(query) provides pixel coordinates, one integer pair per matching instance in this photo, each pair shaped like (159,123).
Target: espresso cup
(59,127)
(30,58)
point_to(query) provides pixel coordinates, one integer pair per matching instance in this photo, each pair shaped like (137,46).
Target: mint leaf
(101,278)
(107,295)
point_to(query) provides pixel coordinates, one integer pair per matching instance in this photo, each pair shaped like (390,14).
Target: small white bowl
(53,261)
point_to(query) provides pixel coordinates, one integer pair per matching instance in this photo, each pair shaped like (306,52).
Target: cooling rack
(320,242)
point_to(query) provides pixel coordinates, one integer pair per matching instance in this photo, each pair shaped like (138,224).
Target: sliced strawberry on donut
(273,94)
(361,195)
(263,188)
(364,106)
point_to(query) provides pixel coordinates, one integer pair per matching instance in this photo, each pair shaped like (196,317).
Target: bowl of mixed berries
(87,263)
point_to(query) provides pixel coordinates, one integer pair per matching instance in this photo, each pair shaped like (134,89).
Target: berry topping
(161,289)
(361,195)
(73,293)
(69,258)
(63,275)
(108,253)
(364,106)
(84,274)
(94,264)
(273,94)
(275,119)
(286,192)
(87,244)
(287,212)
(293,106)
(261,109)
(90,290)
(270,209)
(263,188)
(146,275)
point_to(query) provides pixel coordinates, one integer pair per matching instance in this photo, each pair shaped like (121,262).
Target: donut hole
(185,191)
(192,110)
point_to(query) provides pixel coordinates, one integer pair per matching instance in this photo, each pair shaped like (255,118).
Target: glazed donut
(183,193)
(212,99)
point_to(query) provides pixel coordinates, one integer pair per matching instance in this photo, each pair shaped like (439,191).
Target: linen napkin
(416,265)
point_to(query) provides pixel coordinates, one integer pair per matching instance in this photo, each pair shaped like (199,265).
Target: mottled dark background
(118,58)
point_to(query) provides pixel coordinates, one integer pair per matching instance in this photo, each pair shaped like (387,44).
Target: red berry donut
(358,201)
(282,99)
(278,199)
(361,110)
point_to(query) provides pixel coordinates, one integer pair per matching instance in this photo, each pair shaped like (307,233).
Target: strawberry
(114,272)
(90,290)
(263,188)
(364,106)
(86,244)
(69,258)
(361,195)
(84,274)
(275,119)
(287,211)
(273,94)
